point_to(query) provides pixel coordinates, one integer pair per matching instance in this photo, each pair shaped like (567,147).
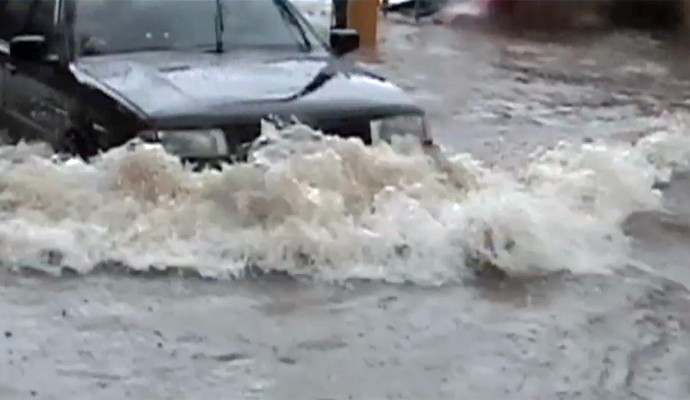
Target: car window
(26,17)
(103,27)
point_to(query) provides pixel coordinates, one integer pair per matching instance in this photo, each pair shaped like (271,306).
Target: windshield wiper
(220,26)
(290,18)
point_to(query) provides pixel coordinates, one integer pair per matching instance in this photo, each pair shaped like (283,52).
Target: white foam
(332,209)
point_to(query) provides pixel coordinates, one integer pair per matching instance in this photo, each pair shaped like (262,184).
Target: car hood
(171,84)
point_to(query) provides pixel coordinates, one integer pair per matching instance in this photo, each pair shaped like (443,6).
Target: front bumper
(429,148)
(237,137)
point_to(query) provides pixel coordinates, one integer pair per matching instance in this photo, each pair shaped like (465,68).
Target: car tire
(77,143)
(12,135)
(4,132)
(5,137)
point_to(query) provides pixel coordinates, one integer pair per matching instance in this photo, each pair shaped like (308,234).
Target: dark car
(198,76)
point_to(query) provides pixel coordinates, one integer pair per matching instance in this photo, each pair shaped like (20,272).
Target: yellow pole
(363,16)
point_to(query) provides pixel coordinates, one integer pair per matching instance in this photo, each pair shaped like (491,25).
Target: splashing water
(331,209)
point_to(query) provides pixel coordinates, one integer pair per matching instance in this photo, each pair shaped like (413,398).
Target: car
(196,76)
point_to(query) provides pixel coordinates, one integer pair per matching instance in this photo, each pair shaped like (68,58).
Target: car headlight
(409,124)
(190,143)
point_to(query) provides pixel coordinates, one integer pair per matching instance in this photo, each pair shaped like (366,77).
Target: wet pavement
(561,336)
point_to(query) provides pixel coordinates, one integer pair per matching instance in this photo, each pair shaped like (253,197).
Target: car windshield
(118,26)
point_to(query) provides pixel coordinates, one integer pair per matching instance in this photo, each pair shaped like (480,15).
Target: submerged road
(622,334)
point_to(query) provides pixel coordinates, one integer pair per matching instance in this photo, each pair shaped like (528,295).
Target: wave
(308,204)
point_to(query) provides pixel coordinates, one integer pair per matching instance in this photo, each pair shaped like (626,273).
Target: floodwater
(556,149)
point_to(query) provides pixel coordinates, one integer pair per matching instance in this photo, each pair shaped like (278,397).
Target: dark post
(340,13)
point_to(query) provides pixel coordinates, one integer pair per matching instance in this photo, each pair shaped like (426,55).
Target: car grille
(346,128)
(240,135)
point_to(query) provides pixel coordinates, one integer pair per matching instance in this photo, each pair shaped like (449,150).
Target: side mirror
(344,41)
(28,48)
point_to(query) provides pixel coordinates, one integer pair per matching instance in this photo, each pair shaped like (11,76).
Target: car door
(34,105)
(3,117)
(8,25)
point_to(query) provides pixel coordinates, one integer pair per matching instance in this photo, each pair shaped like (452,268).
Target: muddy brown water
(110,336)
